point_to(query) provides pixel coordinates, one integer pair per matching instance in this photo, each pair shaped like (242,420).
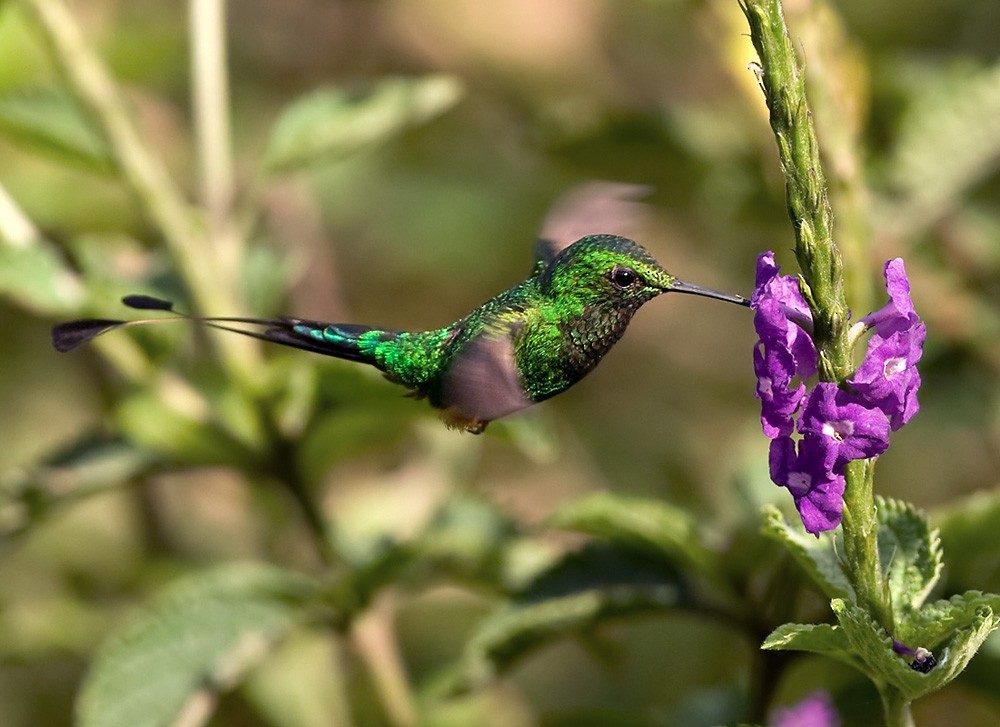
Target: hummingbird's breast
(590,336)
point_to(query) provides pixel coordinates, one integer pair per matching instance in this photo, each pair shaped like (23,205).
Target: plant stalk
(783,82)
(96,91)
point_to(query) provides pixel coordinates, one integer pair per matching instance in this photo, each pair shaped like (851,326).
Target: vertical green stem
(896,708)
(805,185)
(860,529)
(822,273)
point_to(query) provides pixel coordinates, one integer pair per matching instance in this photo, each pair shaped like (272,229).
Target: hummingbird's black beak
(679,286)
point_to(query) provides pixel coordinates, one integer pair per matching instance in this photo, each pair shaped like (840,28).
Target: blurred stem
(375,640)
(210,100)
(96,91)
(822,275)
(16,228)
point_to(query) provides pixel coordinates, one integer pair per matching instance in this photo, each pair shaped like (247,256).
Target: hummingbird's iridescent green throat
(526,344)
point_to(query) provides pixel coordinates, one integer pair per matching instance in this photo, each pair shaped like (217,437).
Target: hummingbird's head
(606,269)
(612,270)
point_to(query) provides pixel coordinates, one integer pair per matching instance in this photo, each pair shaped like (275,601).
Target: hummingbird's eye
(623,277)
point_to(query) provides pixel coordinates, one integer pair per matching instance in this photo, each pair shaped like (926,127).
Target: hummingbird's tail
(339,340)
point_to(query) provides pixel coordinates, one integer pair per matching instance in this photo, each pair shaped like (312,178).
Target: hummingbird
(522,346)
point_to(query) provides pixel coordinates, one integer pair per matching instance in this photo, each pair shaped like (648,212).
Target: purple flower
(888,377)
(898,313)
(816,710)
(782,317)
(854,430)
(837,425)
(779,400)
(809,475)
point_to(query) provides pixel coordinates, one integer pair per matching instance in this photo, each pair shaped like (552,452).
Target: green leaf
(49,121)
(199,637)
(330,124)
(302,683)
(935,622)
(949,139)
(36,276)
(971,538)
(91,464)
(817,556)
(175,421)
(815,638)
(467,538)
(873,646)
(645,526)
(910,552)
(573,597)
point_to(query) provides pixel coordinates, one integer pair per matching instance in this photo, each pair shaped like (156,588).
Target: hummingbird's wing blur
(594,208)
(483,383)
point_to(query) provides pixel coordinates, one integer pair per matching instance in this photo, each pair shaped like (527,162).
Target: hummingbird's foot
(453,420)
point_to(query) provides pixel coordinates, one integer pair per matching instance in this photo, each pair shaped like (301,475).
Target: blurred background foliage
(392,160)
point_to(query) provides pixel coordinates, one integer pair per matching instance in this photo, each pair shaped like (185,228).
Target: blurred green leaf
(647,526)
(48,121)
(348,432)
(971,540)
(467,537)
(817,556)
(199,637)
(301,683)
(91,464)
(37,277)
(911,552)
(948,139)
(176,422)
(330,123)
(571,598)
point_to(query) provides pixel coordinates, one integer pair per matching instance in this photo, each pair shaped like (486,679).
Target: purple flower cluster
(816,710)
(837,425)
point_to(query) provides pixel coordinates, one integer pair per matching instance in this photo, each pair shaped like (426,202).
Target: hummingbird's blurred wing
(594,208)
(483,383)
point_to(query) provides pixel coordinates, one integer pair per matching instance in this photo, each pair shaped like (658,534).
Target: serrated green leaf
(817,556)
(646,526)
(36,277)
(49,121)
(873,646)
(197,638)
(934,622)
(572,597)
(910,551)
(815,638)
(330,123)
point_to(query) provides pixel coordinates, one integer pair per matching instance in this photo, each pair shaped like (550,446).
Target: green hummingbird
(526,344)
